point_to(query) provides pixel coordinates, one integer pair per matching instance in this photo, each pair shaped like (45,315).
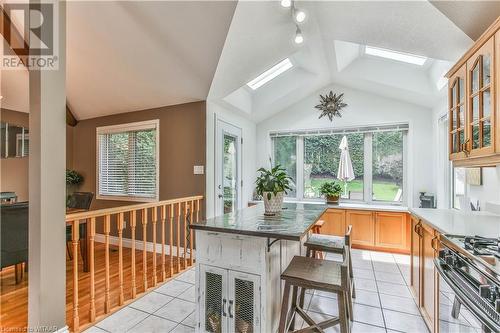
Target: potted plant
(73,180)
(332,191)
(272,184)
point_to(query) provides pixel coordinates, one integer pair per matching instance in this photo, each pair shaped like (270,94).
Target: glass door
(481,100)
(228,168)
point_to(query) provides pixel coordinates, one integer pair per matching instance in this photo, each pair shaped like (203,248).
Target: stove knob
(485,291)
(450,260)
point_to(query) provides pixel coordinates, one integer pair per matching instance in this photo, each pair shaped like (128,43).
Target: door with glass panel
(480,92)
(228,168)
(456,112)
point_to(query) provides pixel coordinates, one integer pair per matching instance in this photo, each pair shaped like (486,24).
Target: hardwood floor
(14,298)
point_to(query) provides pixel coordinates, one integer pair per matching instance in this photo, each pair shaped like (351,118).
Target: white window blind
(128,161)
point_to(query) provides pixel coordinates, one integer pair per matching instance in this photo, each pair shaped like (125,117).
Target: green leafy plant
(273,181)
(331,189)
(73,177)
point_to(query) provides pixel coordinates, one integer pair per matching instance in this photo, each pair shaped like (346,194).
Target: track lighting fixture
(299,39)
(286,3)
(298,15)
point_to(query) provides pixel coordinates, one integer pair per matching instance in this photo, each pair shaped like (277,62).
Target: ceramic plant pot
(332,199)
(274,204)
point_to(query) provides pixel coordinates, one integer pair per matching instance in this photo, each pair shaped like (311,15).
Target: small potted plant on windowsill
(272,185)
(332,191)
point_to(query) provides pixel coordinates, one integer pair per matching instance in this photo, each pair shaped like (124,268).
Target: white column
(47,162)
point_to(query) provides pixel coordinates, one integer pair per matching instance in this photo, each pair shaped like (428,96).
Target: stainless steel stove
(470,267)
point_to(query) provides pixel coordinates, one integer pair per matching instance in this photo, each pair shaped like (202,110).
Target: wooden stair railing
(174,218)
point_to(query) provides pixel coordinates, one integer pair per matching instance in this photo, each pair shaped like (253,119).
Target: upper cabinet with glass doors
(473,110)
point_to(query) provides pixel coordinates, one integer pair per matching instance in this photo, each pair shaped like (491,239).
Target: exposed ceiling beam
(70,118)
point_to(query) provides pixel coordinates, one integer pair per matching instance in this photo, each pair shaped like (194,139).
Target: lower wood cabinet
(363,229)
(424,276)
(384,231)
(230,300)
(334,222)
(391,230)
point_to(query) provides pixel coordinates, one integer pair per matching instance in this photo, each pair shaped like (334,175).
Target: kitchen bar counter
(451,221)
(292,223)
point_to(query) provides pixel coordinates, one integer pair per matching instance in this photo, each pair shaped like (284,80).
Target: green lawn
(383,189)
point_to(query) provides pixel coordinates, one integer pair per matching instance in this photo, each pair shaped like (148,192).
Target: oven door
(454,316)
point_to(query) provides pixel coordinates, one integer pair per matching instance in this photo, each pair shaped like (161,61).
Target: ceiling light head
(286,3)
(299,15)
(299,38)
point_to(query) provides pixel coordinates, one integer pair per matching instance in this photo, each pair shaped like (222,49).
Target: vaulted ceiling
(124,56)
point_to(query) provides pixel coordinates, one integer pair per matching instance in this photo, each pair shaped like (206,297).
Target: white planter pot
(273,205)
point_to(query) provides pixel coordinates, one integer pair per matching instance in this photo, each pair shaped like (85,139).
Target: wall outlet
(199,169)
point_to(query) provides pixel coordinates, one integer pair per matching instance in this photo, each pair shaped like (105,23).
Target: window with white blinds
(128,161)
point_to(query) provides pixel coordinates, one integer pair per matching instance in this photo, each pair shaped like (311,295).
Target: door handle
(220,196)
(230,309)
(224,307)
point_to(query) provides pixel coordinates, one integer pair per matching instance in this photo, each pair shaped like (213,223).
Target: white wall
(489,191)
(363,109)
(248,152)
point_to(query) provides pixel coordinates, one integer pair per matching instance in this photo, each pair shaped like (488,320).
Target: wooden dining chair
(77,200)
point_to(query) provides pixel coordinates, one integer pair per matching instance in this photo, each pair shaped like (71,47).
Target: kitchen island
(239,259)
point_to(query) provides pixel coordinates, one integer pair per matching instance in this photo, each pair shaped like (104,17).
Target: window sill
(125,198)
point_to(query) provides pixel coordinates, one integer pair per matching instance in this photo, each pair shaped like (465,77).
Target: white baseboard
(139,245)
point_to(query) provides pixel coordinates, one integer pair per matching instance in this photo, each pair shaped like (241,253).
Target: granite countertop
(451,221)
(293,223)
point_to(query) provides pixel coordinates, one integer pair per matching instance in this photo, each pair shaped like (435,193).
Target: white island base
(238,281)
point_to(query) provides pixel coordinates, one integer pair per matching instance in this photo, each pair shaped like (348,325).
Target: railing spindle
(107,228)
(178,237)
(144,249)
(154,218)
(75,238)
(120,257)
(163,217)
(132,227)
(92,269)
(171,237)
(191,208)
(184,255)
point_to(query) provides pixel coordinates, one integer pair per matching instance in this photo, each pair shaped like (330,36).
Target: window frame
(128,127)
(367,155)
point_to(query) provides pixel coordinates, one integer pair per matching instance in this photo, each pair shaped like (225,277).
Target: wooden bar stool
(316,229)
(317,243)
(317,274)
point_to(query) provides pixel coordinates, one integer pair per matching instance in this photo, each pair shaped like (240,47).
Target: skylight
(270,74)
(394,55)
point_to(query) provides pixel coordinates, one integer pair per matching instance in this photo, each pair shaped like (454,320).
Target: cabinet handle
(230,309)
(465,149)
(418,229)
(224,307)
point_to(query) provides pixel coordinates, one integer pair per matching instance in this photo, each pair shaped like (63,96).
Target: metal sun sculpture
(331,105)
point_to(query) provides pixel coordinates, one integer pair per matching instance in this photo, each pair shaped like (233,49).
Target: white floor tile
(189,294)
(188,276)
(368,315)
(401,304)
(190,320)
(94,329)
(404,322)
(364,284)
(367,298)
(364,328)
(151,302)
(153,324)
(389,277)
(183,329)
(393,289)
(324,305)
(363,273)
(122,320)
(173,288)
(177,310)
(385,267)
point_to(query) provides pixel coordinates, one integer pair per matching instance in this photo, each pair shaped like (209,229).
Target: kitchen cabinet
(473,105)
(424,283)
(391,230)
(415,249)
(229,300)
(363,227)
(334,222)
(429,289)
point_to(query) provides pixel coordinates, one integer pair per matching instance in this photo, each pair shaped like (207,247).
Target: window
(387,166)
(395,55)
(285,154)
(321,163)
(128,161)
(377,154)
(270,74)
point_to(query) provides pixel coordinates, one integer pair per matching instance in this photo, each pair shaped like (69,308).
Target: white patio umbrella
(345,172)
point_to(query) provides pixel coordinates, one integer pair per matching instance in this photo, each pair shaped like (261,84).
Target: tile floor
(383,301)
